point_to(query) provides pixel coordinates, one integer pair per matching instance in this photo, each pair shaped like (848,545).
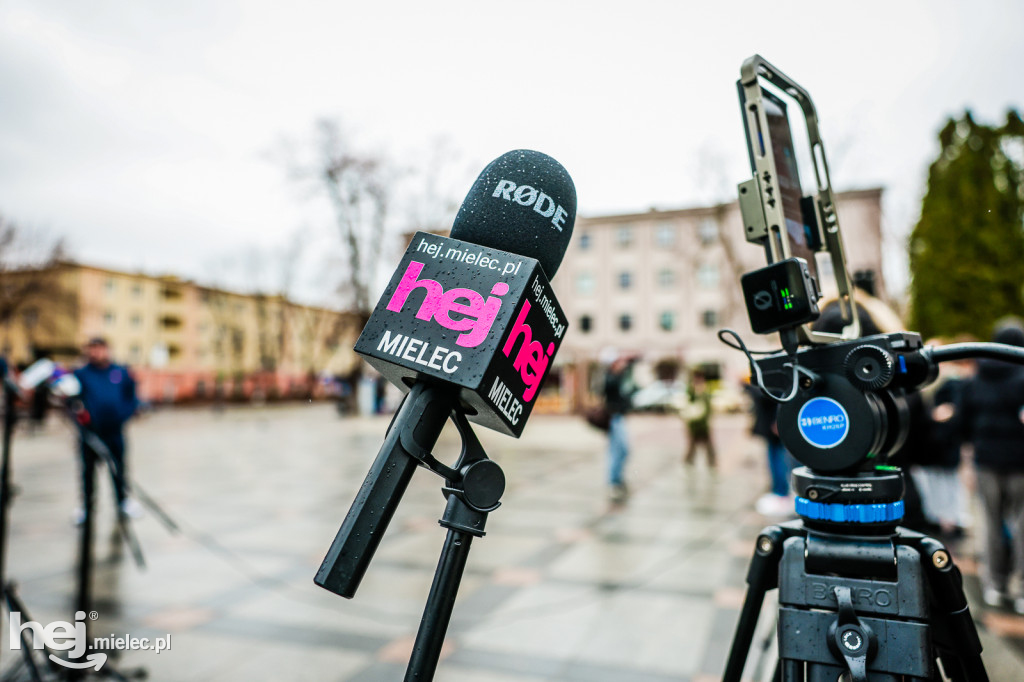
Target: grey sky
(141,130)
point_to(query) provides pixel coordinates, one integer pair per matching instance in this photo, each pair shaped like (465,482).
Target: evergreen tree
(967,250)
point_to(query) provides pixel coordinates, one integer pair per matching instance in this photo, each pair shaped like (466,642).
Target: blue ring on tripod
(886,512)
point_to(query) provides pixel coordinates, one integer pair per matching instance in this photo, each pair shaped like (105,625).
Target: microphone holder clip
(475,480)
(473,487)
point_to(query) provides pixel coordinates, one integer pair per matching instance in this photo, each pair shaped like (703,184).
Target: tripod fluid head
(847,408)
(842,413)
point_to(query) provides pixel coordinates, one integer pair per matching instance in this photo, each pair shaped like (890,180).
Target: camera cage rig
(763,200)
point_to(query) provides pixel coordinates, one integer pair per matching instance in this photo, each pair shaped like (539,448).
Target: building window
(666,278)
(585,242)
(709,318)
(136,353)
(110,285)
(624,235)
(585,283)
(667,320)
(30,317)
(109,318)
(586,323)
(665,235)
(707,276)
(136,320)
(707,231)
(625,279)
(625,322)
(137,290)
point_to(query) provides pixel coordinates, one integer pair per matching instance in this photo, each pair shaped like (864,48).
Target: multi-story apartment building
(182,339)
(660,284)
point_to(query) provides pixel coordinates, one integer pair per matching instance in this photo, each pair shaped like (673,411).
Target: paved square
(564,586)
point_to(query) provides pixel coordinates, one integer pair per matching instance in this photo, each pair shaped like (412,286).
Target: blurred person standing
(109,401)
(780,463)
(697,415)
(992,410)
(938,477)
(618,391)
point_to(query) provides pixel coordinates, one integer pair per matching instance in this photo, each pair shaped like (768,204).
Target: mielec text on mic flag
(484,320)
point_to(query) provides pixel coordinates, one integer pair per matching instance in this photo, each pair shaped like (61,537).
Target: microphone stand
(5,478)
(11,393)
(473,488)
(8,589)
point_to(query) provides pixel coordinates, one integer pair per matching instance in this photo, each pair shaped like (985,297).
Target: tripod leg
(83,598)
(5,479)
(157,510)
(963,660)
(952,668)
(792,671)
(762,576)
(124,529)
(14,605)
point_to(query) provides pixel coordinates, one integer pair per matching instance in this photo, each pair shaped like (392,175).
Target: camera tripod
(89,663)
(858,595)
(860,598)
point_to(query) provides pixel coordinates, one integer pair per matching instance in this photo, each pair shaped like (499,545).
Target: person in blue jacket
(109,401)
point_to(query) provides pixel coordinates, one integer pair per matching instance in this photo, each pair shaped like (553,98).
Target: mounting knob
(869,367)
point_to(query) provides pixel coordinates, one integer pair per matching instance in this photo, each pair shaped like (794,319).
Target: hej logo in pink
(475,318)
(532,359)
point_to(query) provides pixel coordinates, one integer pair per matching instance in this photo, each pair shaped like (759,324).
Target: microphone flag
(483,320)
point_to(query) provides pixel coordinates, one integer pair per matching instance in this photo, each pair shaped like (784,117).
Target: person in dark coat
(618,392)
(992,410)
(780,462)
(937,476)
(109,401)
(38,407)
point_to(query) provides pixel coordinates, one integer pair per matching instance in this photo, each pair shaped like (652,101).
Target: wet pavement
(564,586)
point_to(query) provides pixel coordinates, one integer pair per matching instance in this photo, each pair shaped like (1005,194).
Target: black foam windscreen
(523,202)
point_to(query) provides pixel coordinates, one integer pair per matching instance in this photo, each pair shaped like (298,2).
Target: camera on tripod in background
(860,598)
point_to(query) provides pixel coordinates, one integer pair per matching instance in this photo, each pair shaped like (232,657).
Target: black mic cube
(483,320)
